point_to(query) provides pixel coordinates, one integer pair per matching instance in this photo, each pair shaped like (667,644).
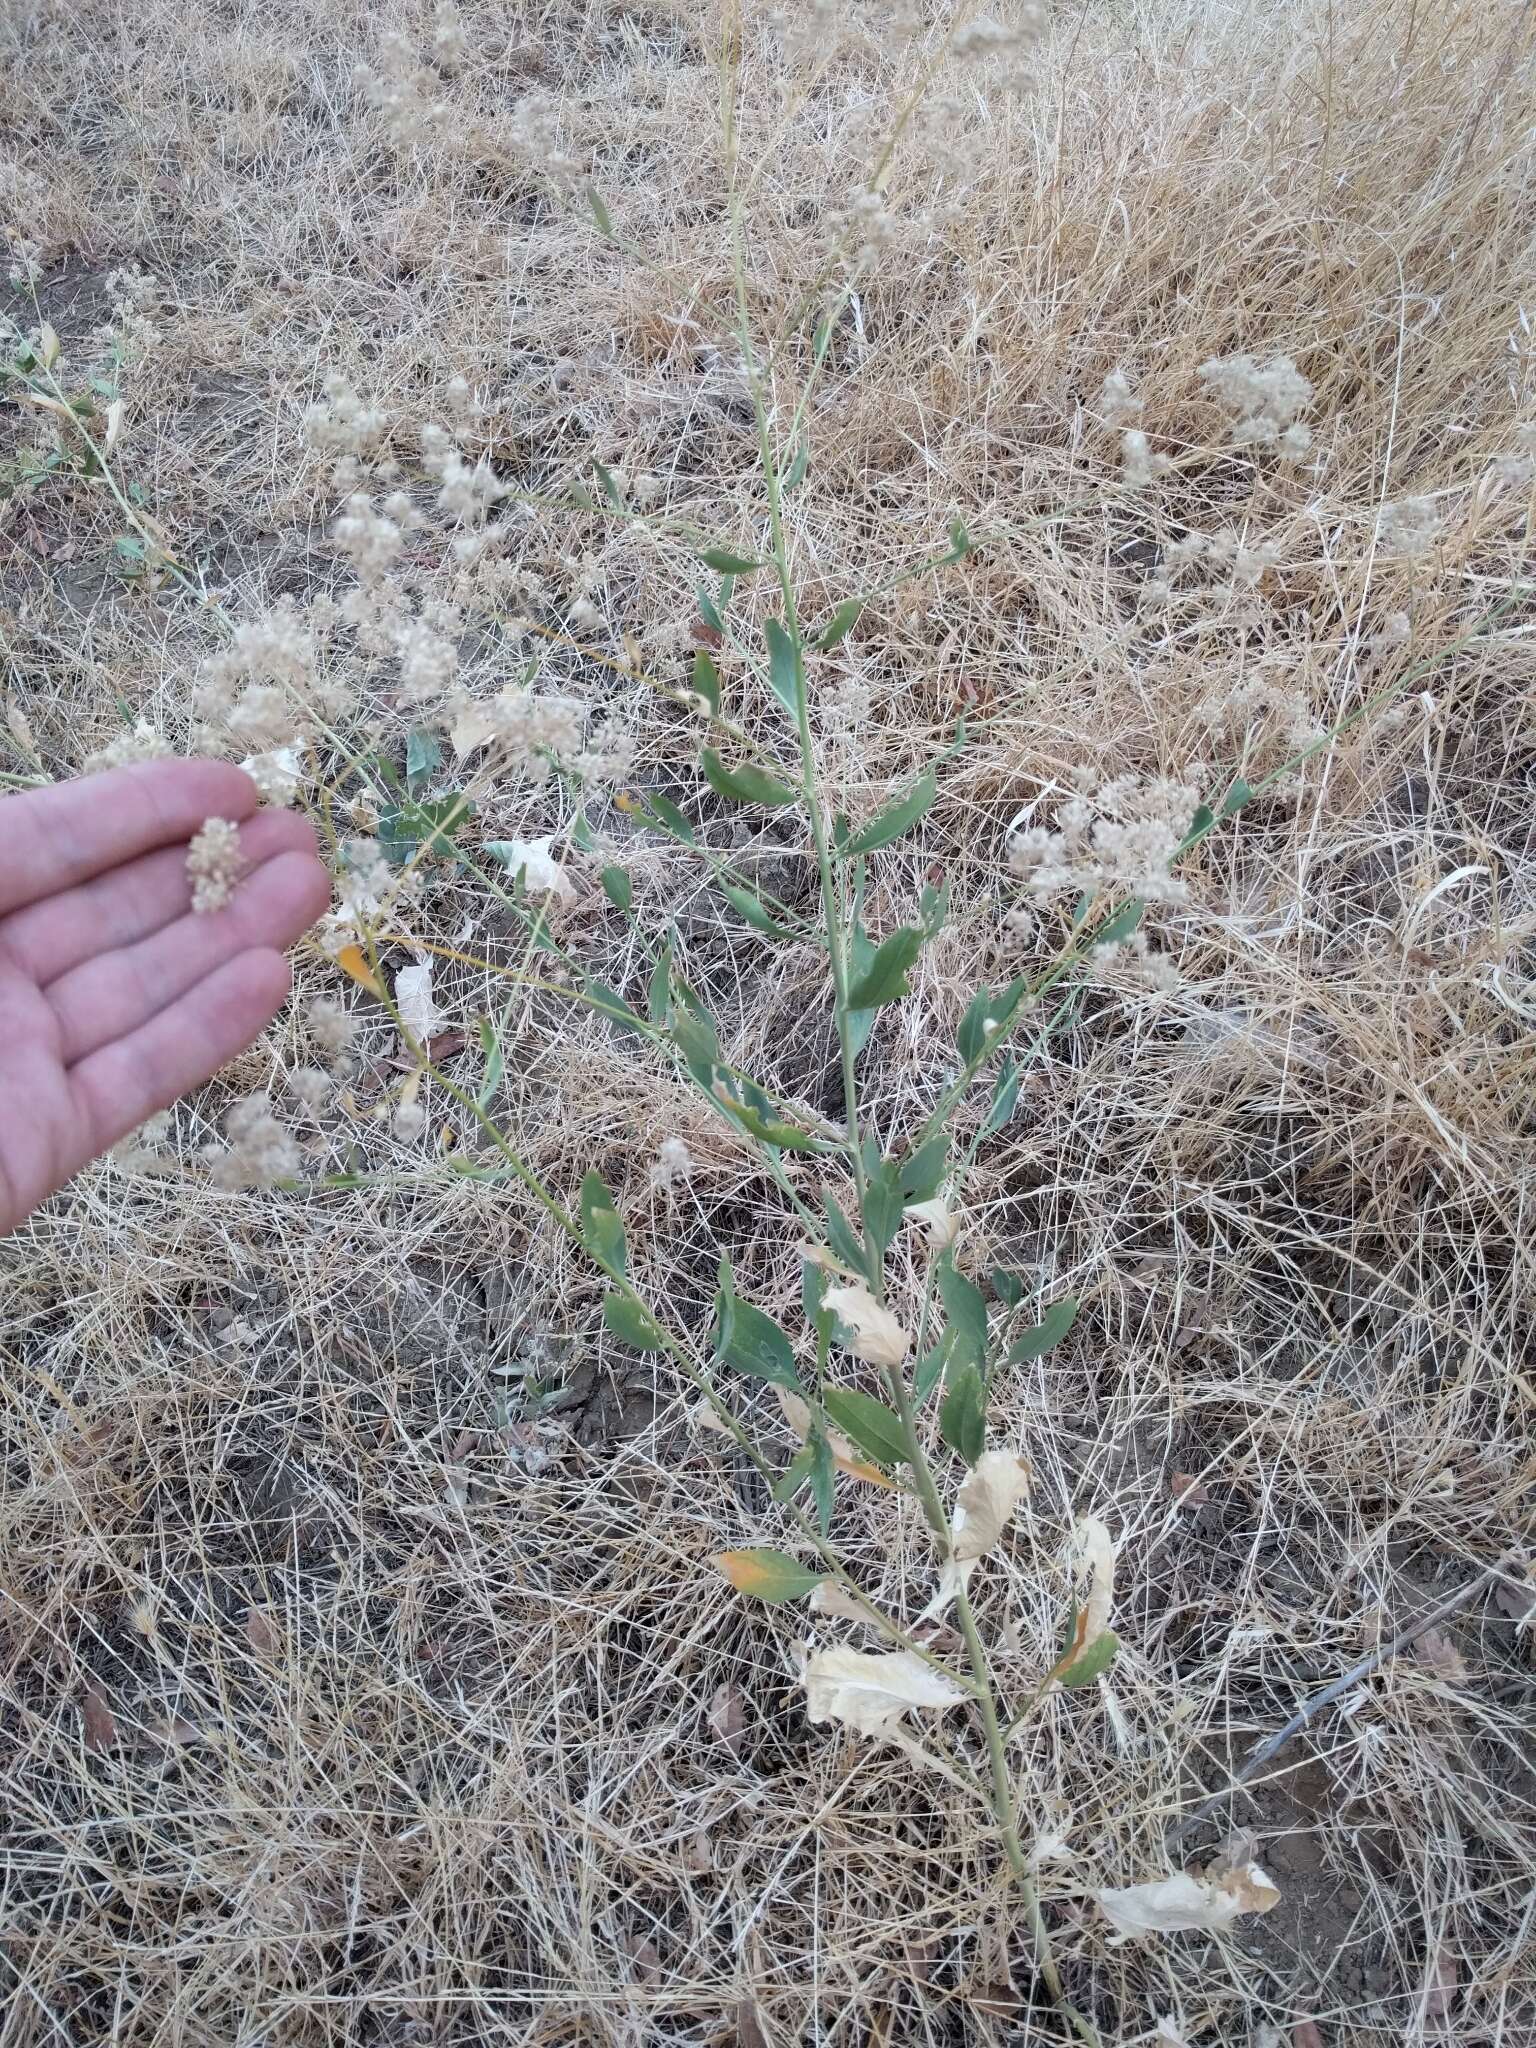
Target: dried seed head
(214,865)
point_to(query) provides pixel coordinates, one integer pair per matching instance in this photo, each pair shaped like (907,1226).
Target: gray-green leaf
(1050,1329)
(748,785)
(963,1414)
(633,1324)
(602,1231)
(728,562)
(783,666)
(885,979)
(841,623)
(868,1423)
(896,818)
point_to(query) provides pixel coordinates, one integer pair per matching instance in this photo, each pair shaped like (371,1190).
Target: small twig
(1310,1709)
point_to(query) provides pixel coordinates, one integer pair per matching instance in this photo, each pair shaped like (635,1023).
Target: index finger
(51,839)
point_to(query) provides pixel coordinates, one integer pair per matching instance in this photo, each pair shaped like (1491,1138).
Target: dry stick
(1310,1709)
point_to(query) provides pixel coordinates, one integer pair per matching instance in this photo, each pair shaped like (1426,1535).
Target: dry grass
(344,1702)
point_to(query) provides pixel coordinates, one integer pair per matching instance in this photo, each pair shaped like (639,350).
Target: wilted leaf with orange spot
(353,961)
(766,1574)
(844,1457)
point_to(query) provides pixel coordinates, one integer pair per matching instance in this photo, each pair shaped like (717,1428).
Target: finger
(52,839)
(117,992)
(116,1088)
(128,903)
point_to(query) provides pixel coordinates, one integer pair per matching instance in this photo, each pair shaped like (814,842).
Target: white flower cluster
(1516,470)
(869,225)
(26,267)
(1266,698)
(1122,838)
(673,1163)
(467,492)
(370,540)
(141,743)
(1234,563)
(449,41)
(260,1151)
(341,427)
(1409,527)
(532,133)
(214,865)
(404,93)
(984,38)
(1139,466)
(1118,405)
(263,690)
(135,298)
(1264,400)
(332,1028)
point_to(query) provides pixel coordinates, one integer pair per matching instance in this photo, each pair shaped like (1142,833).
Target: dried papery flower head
(214,865)
(370,541)
(410,1120)
(365,886)
(341,426)
(1408,527)
(141,743)
(1138,465)
(673,1163)
(1118,405)
(449,40)
(313,1086)
(1129,846)
(260,1151)
(332,1027)
(985,38)
(1263,399)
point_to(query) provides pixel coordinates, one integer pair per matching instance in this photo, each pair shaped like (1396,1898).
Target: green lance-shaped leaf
(633,1324)
(1093,1663)
(728,563)
(1050,1329)
(602,1231)
(423,758)
(749,1341)
(963,1414)
(618,888)
(706,682)
(921,1171)
(896,818)
(748,785)
(861,954)
(767,1574)
(783,666)
(760,1124)
(847,1246)
(885,978)
(868,1423)
(1005,1099)
(661,810)
(841,623)
(966,1309)
(1121,926)
(599,213)
(750,907)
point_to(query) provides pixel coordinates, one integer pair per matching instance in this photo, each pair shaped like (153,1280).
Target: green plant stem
(837,952)
(1006,1811)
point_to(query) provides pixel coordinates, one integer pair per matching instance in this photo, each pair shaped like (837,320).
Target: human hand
(114,997)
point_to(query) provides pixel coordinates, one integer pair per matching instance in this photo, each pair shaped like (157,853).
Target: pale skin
(115,998)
